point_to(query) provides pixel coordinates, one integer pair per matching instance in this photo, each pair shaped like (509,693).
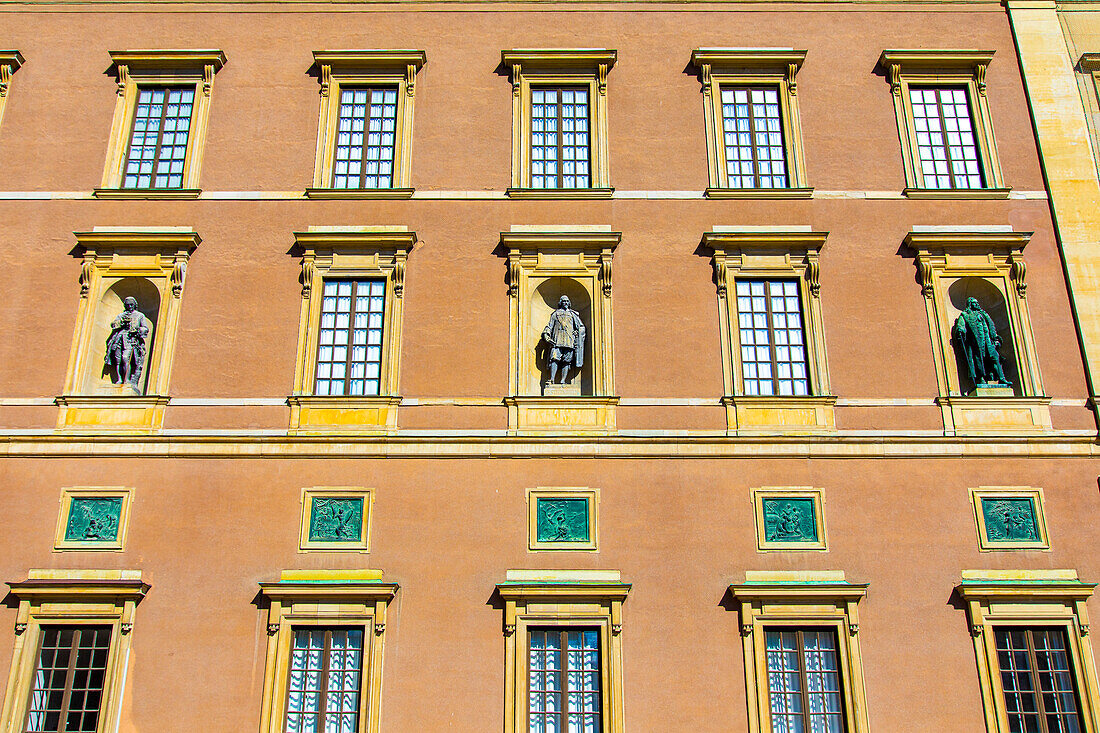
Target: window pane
(560,138)
(325,673)
(564,681)
(158,141)
(67,689)
(947,154)
(753,137)
(804,681)
(366,133)
(773,355)
(1039,687)
(349,352)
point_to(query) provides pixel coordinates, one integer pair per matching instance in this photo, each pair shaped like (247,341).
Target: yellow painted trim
(789,492)
(10,61)
(79,492)
(1035,495)
(592,502)
(72,598)
(362,544)
(136,69)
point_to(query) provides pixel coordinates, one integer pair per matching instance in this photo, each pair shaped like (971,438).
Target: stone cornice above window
(786,60)
(10,61)
(194,61)
(1089,62)
(545,60)
(906,61)
(406,61)
(119,586)
(963,242)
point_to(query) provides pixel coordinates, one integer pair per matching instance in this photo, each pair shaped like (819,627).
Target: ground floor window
(1037,678)
(325,680)
(67,689)
(804,691)
(564,687)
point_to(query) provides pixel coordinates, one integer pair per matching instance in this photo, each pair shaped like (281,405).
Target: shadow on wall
(544,301)
(992,301)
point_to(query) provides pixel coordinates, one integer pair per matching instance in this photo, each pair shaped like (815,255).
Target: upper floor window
(364,139)
(754,137)
(349,351)
(564,680)
(773,350)
(1037,679)
(944,124)
(159,128)
(325,677)
(559,122)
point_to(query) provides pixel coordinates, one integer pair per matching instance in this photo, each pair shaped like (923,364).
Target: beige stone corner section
(586,599)
(324,598)
(151,266)
(72,598)
(330,253)
(1026,599)
(337,70)
(760,67)
(542,266)
(134,69)
(558,67)
(10,61)
(1068,162)
(801,599)
(777,253)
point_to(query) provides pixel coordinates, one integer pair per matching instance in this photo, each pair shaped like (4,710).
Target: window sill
(559,193)
(969,194)
(758,193)
(146,193)
(359,193)
(578,415)
(314,415)
(779,415)
(138,414)
(973,415)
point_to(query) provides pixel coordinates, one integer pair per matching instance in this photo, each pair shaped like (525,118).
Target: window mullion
(160,137)
(756,177)
(1036,682)
(326,650)
(70,673)
(364,145)
(564,707)
(946,145)
(803,683)
(772,342)
(561,137)
(351,336)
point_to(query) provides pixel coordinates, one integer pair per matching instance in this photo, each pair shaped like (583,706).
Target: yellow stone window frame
(1034,495)
(942,258)
(1029,598)
(137,69)
(562,598)
(61,544)
(326,598)
(764,67)
(72,598)
(806,600)
(336,70)
(109,254)
(922,67)
(592,499)
(10,61)
(362,544)
(536,255)
(789,492)
(587,67)
(349,252)
(766,253)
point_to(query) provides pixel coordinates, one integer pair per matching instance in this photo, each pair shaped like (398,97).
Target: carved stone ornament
(20,628)
(273,629)
(126,346)
(565,335)
(976,337)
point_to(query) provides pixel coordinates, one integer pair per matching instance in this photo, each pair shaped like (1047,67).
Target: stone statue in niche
(125,357)
(977,338)
(564,334)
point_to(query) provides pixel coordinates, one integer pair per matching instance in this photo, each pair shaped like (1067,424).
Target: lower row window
(564,673)
(1040,693)
(67,690)
(324,683)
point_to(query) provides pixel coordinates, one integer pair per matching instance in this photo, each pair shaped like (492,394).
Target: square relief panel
(1010,519)
(92,519)
(335,519)
(789,519)
(562,519)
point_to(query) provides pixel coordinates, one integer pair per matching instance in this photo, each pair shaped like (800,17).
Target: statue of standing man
(565,335)
(976,335)
(125,357)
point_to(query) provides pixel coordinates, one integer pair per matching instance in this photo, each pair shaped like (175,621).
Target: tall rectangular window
(773,351)
(349,352)
(559,138)
(1040,694)
(67,689)
(753,134)
(365,138)
(564,688)
(158,144)
(804,691)
(324,681)
(946,144)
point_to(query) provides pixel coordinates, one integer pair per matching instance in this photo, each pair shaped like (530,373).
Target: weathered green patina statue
(977,337)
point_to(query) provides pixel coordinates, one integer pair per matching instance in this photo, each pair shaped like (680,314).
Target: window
(1037,679)
(326,635)
(68,679)
(159,129)
(324,680)
(804,691)
(10,61)
(944,125)
(750,107)
(803,667)
(349,351)
(73,631)
(364,140)
(349,337)
(559,122)
(563,651)
(773,341)
(1031,638)
(773,354)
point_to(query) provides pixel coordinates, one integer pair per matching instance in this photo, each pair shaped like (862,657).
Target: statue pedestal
(993,390)
(561,390)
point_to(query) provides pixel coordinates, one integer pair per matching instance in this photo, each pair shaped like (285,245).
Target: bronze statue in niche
(565,336)
(977,338)
(125,357)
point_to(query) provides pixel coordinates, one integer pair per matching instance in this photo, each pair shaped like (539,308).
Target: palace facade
(549,366)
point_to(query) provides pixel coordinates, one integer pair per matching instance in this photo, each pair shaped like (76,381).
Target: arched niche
(544,301)
(992,300)
(97,375)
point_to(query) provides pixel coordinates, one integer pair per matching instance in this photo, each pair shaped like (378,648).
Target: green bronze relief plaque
(790,520)
(1010,519)
(93,519)
(561,520)
(336,519)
